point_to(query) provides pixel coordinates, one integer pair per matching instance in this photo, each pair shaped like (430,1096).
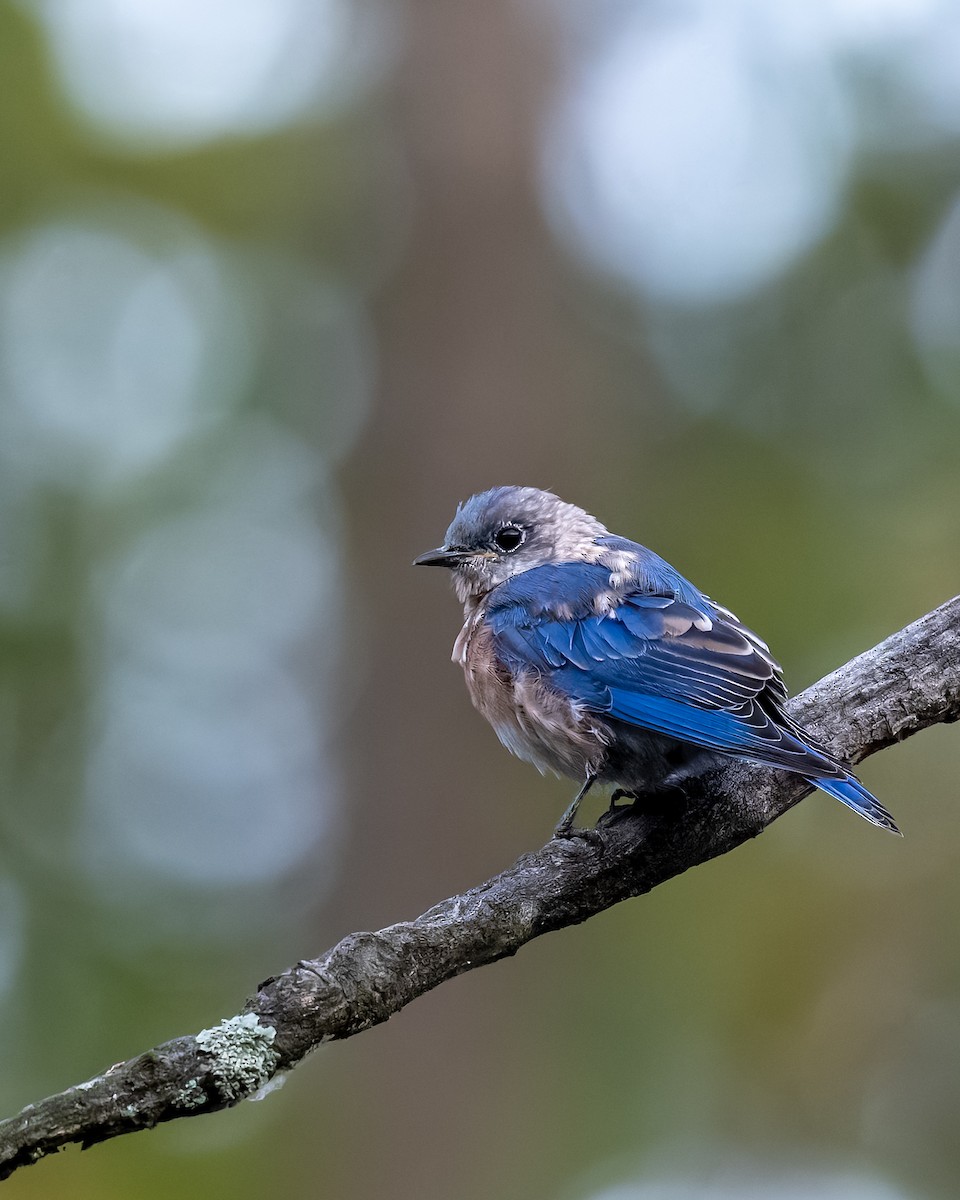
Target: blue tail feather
(850,791)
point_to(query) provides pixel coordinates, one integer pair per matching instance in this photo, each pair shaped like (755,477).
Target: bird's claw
(566,833)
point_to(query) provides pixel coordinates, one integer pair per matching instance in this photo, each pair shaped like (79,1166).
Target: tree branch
(908,682)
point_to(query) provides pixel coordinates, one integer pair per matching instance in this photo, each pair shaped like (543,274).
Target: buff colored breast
(532,720)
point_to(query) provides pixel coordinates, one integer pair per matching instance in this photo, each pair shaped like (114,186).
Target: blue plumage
(594,657)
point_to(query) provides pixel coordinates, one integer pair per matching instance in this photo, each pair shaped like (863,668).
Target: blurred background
(281,282)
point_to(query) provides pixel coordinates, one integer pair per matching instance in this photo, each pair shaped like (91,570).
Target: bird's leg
(564,827)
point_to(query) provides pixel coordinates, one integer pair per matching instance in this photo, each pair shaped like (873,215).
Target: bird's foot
(569,831)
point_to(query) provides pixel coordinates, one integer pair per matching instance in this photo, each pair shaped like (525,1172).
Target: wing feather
(661,656)
(660,663)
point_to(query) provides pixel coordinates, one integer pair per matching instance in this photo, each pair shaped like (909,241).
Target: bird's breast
(533,720)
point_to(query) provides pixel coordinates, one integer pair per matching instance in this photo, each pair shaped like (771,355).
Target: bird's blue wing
(659,655)
(689,670)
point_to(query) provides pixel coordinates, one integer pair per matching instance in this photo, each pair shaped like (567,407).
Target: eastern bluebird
(593,658)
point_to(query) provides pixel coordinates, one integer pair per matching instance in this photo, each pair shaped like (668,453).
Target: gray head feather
(501,532)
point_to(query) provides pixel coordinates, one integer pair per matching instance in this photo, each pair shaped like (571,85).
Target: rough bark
(908,682)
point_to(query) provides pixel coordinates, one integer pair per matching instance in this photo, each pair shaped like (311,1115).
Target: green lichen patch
(242,1053)
(191,1095)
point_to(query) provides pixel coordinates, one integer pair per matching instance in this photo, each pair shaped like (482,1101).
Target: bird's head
(500,533)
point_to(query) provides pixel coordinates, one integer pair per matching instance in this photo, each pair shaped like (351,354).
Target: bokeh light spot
(107,345)
(161,73)
(697,157)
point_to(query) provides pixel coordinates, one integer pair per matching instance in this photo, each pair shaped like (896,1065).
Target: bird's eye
(509,538)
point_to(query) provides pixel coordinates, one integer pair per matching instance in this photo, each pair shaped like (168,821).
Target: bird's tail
(850,791)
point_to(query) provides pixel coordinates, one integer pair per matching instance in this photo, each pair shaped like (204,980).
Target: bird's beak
(443,556)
